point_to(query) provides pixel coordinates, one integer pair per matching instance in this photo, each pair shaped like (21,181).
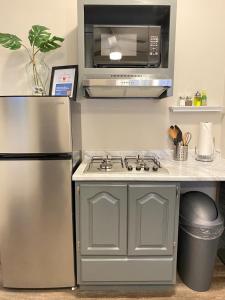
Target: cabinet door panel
(103,215)
(151,219)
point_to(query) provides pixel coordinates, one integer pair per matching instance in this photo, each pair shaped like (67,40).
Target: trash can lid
(197,207)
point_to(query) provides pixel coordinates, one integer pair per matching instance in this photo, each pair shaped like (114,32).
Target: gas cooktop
(130,164)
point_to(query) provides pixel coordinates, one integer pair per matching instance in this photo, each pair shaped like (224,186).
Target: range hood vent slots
(126,88)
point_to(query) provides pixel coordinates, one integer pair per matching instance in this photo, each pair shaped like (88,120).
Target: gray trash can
(201,225)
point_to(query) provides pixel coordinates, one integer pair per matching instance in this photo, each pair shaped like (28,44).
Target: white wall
(198,65)
(17,17)
(128,124)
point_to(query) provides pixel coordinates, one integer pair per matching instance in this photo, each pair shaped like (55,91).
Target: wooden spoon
(172,134)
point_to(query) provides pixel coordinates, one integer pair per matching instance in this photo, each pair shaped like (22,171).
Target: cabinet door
(151,219)
(103,219)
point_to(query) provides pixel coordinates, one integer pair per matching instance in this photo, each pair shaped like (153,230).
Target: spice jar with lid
(181,101)
(188,101)
(197,99)
(204,98)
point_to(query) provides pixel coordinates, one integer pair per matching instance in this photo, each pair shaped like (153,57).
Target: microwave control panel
(154,46)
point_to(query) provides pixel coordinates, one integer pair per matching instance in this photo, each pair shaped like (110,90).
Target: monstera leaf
(41,38)
(51,44)
(10,41)
(38,34)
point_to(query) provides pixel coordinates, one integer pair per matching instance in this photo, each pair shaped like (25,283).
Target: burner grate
(107,159)
(117,164)
(142,160)
(106,163)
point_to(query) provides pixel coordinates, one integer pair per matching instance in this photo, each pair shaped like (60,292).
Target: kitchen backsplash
(138,124)
(133,124)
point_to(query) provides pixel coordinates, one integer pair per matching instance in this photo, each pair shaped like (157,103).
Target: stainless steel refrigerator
(36,226)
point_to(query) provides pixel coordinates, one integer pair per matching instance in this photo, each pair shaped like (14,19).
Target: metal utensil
(187,138)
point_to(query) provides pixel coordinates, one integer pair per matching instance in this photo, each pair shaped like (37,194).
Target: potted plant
(41,41)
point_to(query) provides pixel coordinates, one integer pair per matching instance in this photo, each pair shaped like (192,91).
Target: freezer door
(35,125)
(36,236)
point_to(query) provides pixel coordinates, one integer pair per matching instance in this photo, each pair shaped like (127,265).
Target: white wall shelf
(184,109)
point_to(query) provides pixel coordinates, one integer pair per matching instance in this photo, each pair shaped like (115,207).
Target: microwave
(126,46)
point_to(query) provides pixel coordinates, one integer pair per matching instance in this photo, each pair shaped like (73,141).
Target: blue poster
(63,89)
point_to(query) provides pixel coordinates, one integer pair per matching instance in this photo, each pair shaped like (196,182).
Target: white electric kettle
(206,143)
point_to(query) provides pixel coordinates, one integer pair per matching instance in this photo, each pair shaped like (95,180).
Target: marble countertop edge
(190,170)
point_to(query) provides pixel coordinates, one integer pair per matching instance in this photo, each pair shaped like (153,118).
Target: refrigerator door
(36,226)
(35,125)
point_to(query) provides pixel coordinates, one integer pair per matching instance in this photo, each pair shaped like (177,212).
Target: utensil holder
(181,152)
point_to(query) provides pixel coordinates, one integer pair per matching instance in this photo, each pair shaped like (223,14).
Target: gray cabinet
(151,219)
(123,269)
(103,215)
(126,233)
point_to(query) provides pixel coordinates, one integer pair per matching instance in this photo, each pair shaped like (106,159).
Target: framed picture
(64,81)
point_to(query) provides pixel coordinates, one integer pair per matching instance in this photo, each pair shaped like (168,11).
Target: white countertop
(190,170)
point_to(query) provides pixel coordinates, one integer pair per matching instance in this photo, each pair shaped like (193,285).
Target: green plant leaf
(10,41)
(38,35)
(51,44)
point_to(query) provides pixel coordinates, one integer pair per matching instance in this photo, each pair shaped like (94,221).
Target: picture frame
(64,81)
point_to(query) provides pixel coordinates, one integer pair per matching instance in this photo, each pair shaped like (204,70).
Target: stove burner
(146,168)
(146,163)
(129,168)
(135,164)
(138,167)
(106,164)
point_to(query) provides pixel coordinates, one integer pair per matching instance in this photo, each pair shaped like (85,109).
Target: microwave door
(120,46)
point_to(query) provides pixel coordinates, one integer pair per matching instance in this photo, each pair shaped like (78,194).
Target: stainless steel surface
(144,164)
(88,72)
(126,88)
(128,2)
(75,108)
(181,152)
(125,92)
(105,164)
(132,82)
(129,164)
(35,125)
(36,224)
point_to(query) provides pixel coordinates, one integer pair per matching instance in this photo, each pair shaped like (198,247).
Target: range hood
(142,32)
(143,87)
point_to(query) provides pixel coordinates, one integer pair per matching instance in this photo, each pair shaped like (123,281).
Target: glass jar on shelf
(188,101)
(181,101)
(197,99)
(204,98)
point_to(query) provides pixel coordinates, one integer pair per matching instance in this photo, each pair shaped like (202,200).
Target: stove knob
(129,168)
(155,168)
(138,168)
(146,168)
